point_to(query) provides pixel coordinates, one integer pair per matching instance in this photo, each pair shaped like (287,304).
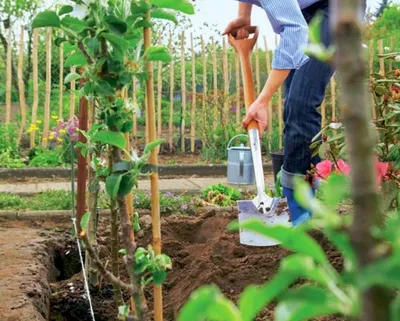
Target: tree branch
(81,46)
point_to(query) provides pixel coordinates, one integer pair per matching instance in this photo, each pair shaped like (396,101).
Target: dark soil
(202,253)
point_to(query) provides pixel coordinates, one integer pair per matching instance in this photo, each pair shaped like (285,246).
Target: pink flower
(381,169)
(324,168)
(343,167)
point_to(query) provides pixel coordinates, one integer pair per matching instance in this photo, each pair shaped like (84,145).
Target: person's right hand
(236,27)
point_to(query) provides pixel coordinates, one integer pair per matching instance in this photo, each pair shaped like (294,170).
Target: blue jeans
(304,91)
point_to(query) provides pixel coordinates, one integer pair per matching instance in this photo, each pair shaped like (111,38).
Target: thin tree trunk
(9,77)
(46,123)
(356,114)
(35,85)
(171,97)
(10,65)
(22,102)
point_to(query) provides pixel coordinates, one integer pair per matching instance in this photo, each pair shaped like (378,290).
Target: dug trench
(202,252)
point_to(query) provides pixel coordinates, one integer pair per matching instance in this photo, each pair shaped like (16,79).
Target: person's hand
(236,27)
(258,112)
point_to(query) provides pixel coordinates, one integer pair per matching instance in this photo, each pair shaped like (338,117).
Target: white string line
(84,272)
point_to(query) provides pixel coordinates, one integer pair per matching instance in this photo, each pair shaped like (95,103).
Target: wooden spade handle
(244,48)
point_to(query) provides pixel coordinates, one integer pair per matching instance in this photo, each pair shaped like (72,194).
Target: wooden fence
(211,83)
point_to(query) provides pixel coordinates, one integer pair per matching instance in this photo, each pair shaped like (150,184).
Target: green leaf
(164,14)
(159,276)
(153,145)
(77,59)
(46,19)
(112,185)
(254,298)
(142,24)
(115,25)
(139,7)
(127,127)
(71,77)
(104,88)
(335,189)
(123,312)
(178,5)
(277,186)
(110,138)
(85,221)
(135,222)
(384,272)
(74,24)
(122,251)
(343,244)
(295,240)
(58,41)
(157,53)
(126,185)
(307,302)
(208,303)
(116,41)
(395,309)
(315,28)
(65,9)
(93,45)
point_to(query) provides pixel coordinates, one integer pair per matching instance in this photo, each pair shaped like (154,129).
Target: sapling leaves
(307,302)
(126,185)
(109,137)
(71,77)
(46,19)
(153,145)
(335,189)
(179,5)
(112,185)
(85,221)
(164,14)
(123,312)
(208,303)
(395,309)
(74,24)
(76,59)
(384,272)
(296,240)
(157,53)
(65,9)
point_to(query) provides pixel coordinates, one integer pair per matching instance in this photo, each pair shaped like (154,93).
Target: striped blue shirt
(287,20)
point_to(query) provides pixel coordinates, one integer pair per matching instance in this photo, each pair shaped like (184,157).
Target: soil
(40,267)
(202,252)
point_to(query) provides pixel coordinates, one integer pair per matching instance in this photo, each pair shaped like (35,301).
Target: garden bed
(202,252)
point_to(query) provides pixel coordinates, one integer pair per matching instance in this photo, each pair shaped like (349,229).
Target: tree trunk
(346,18)
(4,42)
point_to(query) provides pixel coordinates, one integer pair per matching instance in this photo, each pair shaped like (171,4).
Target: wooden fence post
(35,85)
(333,98)
(159,95)
(21,85)
(193,111)
(46,123)
(171,96)
(183,85)
(61,81)
(9,77)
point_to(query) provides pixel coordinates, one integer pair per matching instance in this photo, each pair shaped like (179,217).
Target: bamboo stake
(215,71)
(134,99)
(323,113)
(46,123)
(155,204)
(21,86)
(183,85)
(371,70)
(258,69)
(237,76)
(9,77)
(193,111)
(171,96)
(270,113)
(333,98)
(391,48)
(280,106)
(204,80)
(61,81)
(146,105)
(159,94)
(72,97)
(381,60)
(35,84)
(226,81)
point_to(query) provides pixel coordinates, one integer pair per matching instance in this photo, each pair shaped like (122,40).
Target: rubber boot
(298,214)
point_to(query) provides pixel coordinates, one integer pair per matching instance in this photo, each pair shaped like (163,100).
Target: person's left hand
(257,111)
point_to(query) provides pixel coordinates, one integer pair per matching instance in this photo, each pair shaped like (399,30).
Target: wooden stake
(183,85)
(171,96)
(333,98)
(134,99)
(226,81)
(203,49)
(215,70)
(35,85)
(381,60)
(323,113)
(371,71)
(9,77)
(193,111)
(258,70)
(155,199)
(159,95)
(61,81)
(46,123)
(21,86)
(237,76)
(72,97)
(270,113)
(146,105)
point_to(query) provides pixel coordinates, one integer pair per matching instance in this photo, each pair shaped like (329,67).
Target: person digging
(304,79)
